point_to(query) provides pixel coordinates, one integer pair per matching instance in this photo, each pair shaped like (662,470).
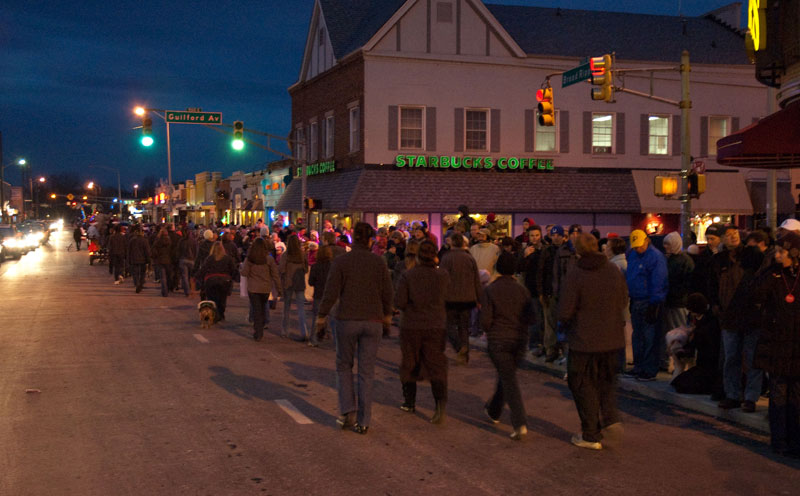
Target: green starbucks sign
(476,163)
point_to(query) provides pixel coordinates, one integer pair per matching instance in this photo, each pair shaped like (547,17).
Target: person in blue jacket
(647,286)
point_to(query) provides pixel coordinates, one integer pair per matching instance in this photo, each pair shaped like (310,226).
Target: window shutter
(430,128)
(587,132)
(676,135)
(495,144)
(734,124)
(703,136)
(563,131)
(392,127)
(620,134)
(529,130)
(644,139)
(458,139)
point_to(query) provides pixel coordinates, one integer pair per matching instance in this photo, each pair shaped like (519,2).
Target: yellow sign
(757,23)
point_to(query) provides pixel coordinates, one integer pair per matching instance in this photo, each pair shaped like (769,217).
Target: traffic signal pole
(686,157)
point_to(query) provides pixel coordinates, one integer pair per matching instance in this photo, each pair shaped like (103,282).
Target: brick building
(405,109)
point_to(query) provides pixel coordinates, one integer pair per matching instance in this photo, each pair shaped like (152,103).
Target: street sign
(576,75)
(184,117)
(699,167)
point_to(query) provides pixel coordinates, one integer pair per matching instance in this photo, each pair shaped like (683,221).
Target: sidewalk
(661,390)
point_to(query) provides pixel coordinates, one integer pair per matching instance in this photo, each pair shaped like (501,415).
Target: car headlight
(10,243)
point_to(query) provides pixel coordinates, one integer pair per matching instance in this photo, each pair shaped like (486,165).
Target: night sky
(71,73)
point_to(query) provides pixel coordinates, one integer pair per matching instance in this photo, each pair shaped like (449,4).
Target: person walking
(162,258)
(592,309)
(647,285)
(117,248)
(359,281)
(263,278)
(506,314)
(187,254)
(293,268)
(420,298)
(138,257)
(463,293)
(216,275)
(77,235)
(316,279)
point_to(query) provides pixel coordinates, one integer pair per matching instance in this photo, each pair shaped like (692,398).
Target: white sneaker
(577,440)
(117,282)
(519,433)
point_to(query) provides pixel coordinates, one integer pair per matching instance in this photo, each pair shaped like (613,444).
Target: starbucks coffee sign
(477,163)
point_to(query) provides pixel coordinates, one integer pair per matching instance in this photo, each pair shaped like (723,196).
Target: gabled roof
(582,33)
(351,23)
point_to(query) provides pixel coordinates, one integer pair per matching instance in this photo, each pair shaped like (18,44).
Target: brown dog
(208,313)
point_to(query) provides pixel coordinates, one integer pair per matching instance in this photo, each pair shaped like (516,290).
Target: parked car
(13,242)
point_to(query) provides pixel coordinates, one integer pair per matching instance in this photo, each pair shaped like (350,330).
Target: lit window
(544,137)
(411,128)
(659,135)
(313,142)
(718,128)
(329,136)
(355,121)
(602,133)
(476,130)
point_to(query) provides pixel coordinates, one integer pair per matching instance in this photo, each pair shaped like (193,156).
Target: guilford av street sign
(188,117)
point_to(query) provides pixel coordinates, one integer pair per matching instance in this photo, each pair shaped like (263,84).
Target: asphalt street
(108,392)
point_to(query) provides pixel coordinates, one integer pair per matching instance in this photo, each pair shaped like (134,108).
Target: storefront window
(701,222)
(339,220)
(387,220)
(501,224)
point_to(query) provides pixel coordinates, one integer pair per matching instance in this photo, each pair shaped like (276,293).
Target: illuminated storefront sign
(757,23)
(320,168)
(483,163)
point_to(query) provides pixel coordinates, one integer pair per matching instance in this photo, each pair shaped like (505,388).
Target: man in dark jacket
(359,281)
(117,249)
(533,263)
(463,294)
(592,308)
(138,257)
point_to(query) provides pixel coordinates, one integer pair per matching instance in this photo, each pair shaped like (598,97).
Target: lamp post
(119,188)
(141,111)
(136,191)
(38,185)
(26,169)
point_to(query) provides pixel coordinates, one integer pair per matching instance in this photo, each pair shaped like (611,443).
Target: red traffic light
(539,95)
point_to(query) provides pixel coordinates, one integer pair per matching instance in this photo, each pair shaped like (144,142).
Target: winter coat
(420,296)
(533,267)
(778,350)
(138,250)
(117,245)
(726,275)
(293,275)
(187,249)
(647,275)
(679,274)
(464,282)
(564,258)
(162,252)
(485,255)
(506,311)
(742,313)
(203,251)
(262,278)
(317,277)
(592,305)
(223,269)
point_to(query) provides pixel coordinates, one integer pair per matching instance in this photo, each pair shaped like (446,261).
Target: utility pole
(2,183)
(685,105)
(772,174)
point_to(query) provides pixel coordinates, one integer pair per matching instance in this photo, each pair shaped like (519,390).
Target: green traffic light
(147,140)
(237,144)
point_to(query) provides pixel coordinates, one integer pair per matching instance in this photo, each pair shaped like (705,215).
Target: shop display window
(502,223)
(386,220)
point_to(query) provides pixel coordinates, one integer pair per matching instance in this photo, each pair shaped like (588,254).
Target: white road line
(200,338)
(293,412)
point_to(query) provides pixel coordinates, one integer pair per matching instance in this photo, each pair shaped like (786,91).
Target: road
(135,398)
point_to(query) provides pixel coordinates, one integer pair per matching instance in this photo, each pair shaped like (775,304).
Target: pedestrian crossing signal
(697,184)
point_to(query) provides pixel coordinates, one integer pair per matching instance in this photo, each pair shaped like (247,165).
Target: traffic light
(147,131)
(238,135)
(666,185)
(603,77)
(697,184)
(546,106)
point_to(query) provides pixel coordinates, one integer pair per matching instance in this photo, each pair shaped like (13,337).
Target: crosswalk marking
(200,338)
(293,412)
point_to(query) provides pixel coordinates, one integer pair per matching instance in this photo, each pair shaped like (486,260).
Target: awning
(726,193)
(758,195)
(387,189)
(258,206)
(771,143)
(247,205)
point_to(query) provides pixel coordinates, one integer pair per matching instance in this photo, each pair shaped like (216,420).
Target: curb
(661,390)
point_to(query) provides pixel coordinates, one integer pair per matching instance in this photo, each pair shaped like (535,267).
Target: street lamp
(26,169)
(36,207)
(136,191)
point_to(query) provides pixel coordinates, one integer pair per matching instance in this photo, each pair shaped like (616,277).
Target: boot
(409,396)
(439,390)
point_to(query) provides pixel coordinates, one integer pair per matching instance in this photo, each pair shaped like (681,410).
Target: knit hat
(528,220)
(673,242)
(791,225)
(557,230)
(637,238)
(697,303)
(715,229)
(209,235)
(491,217)
(790,241)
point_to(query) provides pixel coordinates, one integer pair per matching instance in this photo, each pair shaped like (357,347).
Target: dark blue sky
(71,73)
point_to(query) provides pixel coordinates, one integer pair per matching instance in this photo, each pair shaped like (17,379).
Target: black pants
(116,263)
(423,356)
(458,324)
(505,356)
(784,414)
(592,379)
(138,271)
(217,291)
(77,244)
(258,305)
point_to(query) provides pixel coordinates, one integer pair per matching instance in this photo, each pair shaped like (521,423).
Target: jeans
(644,341)
(549,323)
(299,298)
(592,379)
(314,312)
(536,329)
(458,315)
(356,338)
(117,264)
(138,271)
(505,356)
(740,348)
(784,414)
(186,267)
(165,271)
(259,307)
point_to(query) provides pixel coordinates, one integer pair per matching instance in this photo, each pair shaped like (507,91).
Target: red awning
(771,143)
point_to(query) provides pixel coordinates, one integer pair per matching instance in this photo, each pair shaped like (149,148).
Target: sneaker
(519,433)
(489,416)
(727,404)
(646,378)
(578,441)
(749,406)
(360,429)
(346,420)
(408,408)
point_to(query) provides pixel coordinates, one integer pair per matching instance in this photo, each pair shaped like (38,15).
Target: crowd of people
(720,315)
